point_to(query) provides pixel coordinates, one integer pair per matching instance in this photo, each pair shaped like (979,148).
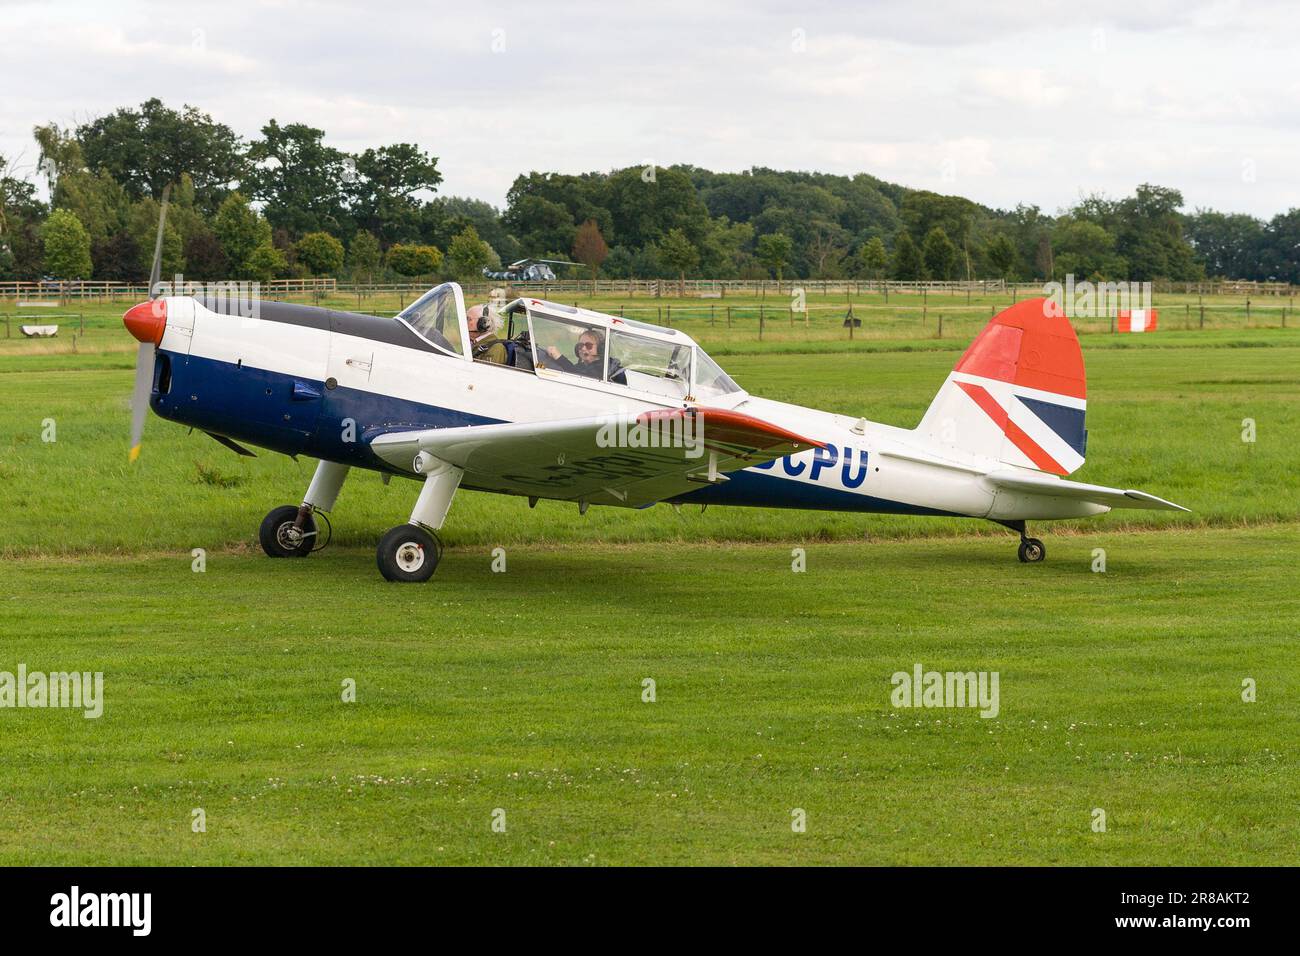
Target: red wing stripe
(1031,449)
(736,428)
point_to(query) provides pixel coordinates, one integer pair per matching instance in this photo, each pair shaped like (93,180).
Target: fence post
(728,316)
(941,325)
(760,323)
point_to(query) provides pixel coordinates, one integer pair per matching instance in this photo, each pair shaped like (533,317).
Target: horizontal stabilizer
(1097,494)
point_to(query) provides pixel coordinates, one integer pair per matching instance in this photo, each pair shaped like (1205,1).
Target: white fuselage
(297,383)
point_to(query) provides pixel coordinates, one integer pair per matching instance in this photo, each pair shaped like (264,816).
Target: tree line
(286,204)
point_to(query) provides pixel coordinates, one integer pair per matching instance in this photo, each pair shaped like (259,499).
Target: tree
(1228,245)
(118,259)
(872,258)
(826,250)
(21,216)
(774,252)
(1001,254)
(142,224)
(67,246)
(590,249)
(727,250)
(385,193)
(299,180)
(939,253)
(143,150)
(321,253)
(620,263)
(1085,250)
(645,207)
(363,255)
(204,258)
(1148,230)
(60,153)
(1281,256)
(540,224)
(909,264)
(265,262)
(241,231)
(414,260)
(467,254)
(679,254)
(922,211)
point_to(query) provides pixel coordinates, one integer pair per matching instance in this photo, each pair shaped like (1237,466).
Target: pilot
(590,354)
(484,344)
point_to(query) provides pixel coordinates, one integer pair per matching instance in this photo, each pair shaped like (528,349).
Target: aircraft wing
(1040,484)
(628,459)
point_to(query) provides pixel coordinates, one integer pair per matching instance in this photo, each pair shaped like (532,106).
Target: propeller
(144,359)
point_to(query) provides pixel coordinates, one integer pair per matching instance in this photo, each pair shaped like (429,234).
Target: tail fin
(1017,395)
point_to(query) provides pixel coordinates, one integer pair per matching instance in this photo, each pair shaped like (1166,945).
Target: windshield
(438,317)
(650,365)
(710,380)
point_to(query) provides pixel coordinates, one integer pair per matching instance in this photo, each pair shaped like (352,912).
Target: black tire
(408,554)
(280,539)
(1031,551)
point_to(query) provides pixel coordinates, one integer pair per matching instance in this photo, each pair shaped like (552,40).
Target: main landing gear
(290,531)
(1031,550)
(409,553)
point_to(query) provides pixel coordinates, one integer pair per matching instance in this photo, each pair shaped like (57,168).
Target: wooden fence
(55,290)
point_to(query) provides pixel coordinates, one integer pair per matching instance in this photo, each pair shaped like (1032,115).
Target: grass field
(522,691)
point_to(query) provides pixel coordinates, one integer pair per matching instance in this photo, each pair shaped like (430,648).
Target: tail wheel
(408,554)
(1032,550)
(279,537)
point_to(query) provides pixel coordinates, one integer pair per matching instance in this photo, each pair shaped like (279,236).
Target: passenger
(484,344)
(590,354)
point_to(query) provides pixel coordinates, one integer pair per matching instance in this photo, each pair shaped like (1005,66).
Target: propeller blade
(144,357)
(155,274)
(140,397)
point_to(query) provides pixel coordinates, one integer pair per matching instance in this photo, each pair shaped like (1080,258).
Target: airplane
(652,419)
(599,409)
(527,270)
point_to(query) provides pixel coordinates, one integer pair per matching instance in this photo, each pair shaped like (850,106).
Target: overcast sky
(1001,102)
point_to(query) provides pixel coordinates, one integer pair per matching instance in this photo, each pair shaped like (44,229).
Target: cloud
(982,100)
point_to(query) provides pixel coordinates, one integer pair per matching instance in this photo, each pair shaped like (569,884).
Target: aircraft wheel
(280,539)
(1032,550)
(408,554)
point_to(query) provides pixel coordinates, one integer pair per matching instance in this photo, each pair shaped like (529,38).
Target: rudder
(1017,395)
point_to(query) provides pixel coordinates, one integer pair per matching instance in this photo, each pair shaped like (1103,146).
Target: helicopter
(527,270)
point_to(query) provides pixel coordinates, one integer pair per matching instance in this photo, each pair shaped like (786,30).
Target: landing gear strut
(289,531)
(409,553)
(1031,550)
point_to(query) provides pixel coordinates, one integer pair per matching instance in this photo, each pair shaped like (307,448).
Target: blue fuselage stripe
(278,412)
